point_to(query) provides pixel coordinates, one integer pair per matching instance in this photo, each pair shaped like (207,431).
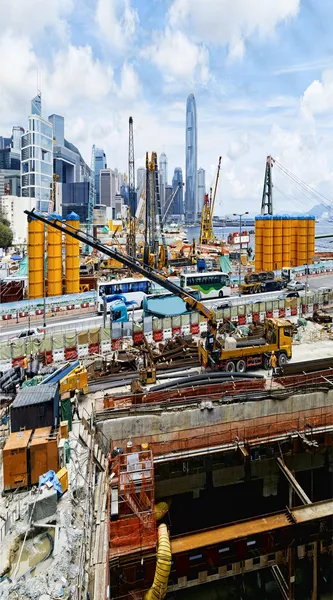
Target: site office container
(35,407)
(43,453)
(15,460)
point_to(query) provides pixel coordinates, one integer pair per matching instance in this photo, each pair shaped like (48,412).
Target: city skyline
(261,88)
(191,160)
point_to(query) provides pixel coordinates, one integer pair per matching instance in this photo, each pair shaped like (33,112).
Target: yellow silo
(258,239)
(311,223)
(72,256)
(267,244)
(36,251)
(54,258)
(286,242)
(277,243)
(293,241)
(302,241)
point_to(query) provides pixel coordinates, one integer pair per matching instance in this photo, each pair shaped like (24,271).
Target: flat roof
(18,440)
(40,436)
(35,395)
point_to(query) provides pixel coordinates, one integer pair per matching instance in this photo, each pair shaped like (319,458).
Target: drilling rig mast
(267,194)
(131,249)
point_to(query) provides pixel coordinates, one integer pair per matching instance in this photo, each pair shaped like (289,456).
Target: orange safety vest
(273,361)
(25,363)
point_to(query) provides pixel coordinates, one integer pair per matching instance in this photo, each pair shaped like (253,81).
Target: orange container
(64,429)
(43,454)
(15,460)
(63,478)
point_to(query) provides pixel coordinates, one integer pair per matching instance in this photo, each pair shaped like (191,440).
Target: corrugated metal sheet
(35,395)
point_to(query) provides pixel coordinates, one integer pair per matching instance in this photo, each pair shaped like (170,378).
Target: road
(64,323)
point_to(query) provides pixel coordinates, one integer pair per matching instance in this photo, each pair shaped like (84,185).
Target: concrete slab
(43,505)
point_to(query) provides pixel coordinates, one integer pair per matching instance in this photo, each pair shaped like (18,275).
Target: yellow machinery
(54,257)
(36,241)
(72,256)
(207,235)
(75,380)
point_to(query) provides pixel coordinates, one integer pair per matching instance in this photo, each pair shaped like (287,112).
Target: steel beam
(293,482)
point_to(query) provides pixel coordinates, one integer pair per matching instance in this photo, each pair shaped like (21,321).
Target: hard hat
(25,356)
(273,352)
(76,391)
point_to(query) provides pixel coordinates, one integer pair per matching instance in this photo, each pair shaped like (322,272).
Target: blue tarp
(51,477)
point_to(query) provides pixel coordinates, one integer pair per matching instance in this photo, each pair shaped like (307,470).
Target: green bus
(210,285)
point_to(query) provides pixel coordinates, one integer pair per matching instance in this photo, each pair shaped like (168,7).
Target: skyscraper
(100,163)
(177,183)
(17,133)
(201,181)
(164,167)
(191,205)
(140,179)
(37,158)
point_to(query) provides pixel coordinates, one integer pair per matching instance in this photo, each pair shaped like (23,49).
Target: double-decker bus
(210,285)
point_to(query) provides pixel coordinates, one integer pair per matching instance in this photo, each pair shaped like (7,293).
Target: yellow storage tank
(302,241)
(36,251)
(311,239)
(54,258)
(286,233)
(277,243)
(267,244)
(259,223)
(72,256)
(293,241)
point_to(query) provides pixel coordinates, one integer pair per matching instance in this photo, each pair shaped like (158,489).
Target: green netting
(105,334)
(94,335)
(18,347)
(70,339)
(58,341)
(46,343)
(5,351)
(82,338)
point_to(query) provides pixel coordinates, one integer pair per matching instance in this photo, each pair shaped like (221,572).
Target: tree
(3,219)
(6,236)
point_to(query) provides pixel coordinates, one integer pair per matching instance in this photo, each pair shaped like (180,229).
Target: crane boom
(132,263)
(207,230)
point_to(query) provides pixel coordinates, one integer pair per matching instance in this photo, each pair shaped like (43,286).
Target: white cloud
(76,77)
(129,83)
(117,21)
(318,97)
(17,75)
(178,58)
(30,17)
(231,22)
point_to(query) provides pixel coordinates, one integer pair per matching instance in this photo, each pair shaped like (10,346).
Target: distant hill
(319,210)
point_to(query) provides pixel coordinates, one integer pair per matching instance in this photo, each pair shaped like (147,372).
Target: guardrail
(73,344)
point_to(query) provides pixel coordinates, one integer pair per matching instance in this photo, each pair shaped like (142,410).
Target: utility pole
(131,250)
(240,215)
(267,194)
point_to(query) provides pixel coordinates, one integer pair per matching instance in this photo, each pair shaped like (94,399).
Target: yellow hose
(161,509)
(163,566)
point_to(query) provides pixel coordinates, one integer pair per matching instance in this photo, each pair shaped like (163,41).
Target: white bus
(131,290)
(210,285)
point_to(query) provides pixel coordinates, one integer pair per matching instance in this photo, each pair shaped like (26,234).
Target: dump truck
(238,355)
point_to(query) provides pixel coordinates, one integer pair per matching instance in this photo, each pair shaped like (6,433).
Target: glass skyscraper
(201,180)
(177,183)
(191,204)
(100,163)
(164,167)
(37,159)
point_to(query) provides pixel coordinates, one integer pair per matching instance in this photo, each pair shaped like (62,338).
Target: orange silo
(302,241)
(286,233)
(36,251)
(258,240)
(72,256)
(277,243)
(293,241)
(311,239)
(54,257)
(267,243)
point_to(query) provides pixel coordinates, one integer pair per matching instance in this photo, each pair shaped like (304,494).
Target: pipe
(207,377)
(161,509)
(163,566)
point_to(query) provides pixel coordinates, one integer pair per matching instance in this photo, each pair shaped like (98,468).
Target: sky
(261,72)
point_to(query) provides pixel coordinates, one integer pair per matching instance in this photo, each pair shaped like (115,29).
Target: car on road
(288,295)
(221,305)
(295,285)
(324,290)
(36,331)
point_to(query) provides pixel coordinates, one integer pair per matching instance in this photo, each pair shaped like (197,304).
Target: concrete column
(270,487)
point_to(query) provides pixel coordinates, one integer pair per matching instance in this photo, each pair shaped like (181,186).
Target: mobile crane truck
(255,283)
(213,353)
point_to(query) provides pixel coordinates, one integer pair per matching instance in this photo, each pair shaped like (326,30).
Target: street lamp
(240,215)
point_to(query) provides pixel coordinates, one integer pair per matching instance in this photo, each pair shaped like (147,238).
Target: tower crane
(267,193)
(207,235)
(131,249)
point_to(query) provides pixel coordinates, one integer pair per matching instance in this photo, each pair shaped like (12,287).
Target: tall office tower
(108,189)
(100,163)
(161,183)
(140,179)
(201,182)
(58,124)
(164,167)
(37,159)
(177,207)
(191,206)
(17,133)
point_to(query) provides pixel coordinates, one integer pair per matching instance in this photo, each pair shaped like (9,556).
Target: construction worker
(273,363)
(75,405)
(25,365)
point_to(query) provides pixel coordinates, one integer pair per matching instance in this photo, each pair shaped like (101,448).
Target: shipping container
(15,460)
(43,453)
(35,407)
